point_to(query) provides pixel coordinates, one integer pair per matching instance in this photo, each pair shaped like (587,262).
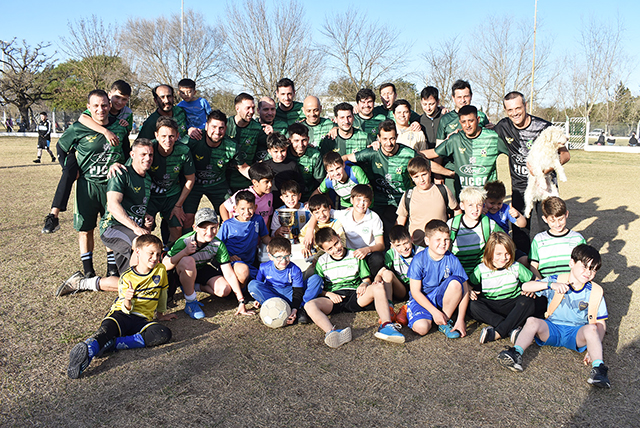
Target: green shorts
(91,200)
(164,205)
(216,195)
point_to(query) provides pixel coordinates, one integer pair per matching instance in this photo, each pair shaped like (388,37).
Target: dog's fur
(543,155)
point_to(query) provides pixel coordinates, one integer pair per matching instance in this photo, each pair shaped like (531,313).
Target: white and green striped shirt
(469,244)
(398,264)
(554,252)
(501,283)
(347,272)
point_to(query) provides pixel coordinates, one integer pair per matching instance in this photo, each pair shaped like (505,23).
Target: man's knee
(156,334)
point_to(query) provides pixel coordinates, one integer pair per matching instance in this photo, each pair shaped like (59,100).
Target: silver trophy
(287,217)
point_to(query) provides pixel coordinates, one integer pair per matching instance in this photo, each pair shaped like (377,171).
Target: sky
(420,23)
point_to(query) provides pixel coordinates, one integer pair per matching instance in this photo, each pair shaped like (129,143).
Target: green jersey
(135,190)
(165,171)
(388,114)
(474,160)
(246,140)
(93,152)
(500,283)
(211,162)
(398,264)
(292,116)
(388,174)
(311,168)
(450,122)
(370,126)
(148,129)
(319,131)
(214,251)
(355,176)
(358,141)
(346,273)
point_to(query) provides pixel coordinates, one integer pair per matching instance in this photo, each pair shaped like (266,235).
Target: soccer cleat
(401,316)
(78,360)
(598,377)
(302,317)
(193,310)
(514,334)
(108,348)
(488,334)
(336,338)
(51,224)
(448,331)
(36,160)
(511,359)
(71,285)
(389,333)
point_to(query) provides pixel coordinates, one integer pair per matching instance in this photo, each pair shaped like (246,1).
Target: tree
(444,66)
(265,45)
(363,51)
(25,73)
(153,48)
(407,91)
(343,88)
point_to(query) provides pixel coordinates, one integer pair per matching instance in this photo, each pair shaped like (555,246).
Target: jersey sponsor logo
(156,279)
(138,210)
(472,169)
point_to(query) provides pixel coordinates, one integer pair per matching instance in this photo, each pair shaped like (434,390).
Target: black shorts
(43,144)
(128,324)
(207,272)
(349,303)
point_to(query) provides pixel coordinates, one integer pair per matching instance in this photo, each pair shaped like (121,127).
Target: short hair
(365,93)
(324,235)
(319,201)
(460,84)
(141,142)
(399,233)
(187,83)
(363,190)
(276,140)
(434,226)
(342,107)
(495,190)
(242,96)
(430,91)
(298,128)
(260,170)
(467,110)
(553,206)
(494,239)
(473,193)
(146,240)
(417,165)
(387,85)
(513,95)
(169,122)
(121,86)
(43,113)
(398,103)
(154,91)
(285,83)
(387,125)
(290,186)
(332,158)
(589,256)
(279,244)
(97,93)
(217,115)
(245,195)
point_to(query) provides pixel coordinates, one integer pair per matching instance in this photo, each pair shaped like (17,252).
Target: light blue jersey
(574,308)
(197,112)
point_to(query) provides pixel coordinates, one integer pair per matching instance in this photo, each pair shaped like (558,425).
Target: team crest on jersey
(220,163)
(399,170)
(447,272)
(529,144)
(156,279)
(176,168)
(483,153)
(462,149)
(307,169)
(378,165)
(583,305)
(247,142)
(336,150)
(137,189)
(199,157)
(154,168)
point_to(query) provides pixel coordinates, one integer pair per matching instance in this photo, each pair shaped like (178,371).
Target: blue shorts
(253,271)
(562,336)
(416,312)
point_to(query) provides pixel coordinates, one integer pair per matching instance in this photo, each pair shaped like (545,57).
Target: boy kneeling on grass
(348,288)
(142,291)
(575,316)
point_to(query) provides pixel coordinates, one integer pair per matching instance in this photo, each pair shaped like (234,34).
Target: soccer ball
(274,312)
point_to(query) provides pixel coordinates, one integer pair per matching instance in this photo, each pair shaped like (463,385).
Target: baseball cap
(206,215)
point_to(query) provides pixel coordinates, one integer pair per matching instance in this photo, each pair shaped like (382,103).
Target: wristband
(549,282)
(241,301)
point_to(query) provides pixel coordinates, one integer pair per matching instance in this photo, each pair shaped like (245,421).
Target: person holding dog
(519,130)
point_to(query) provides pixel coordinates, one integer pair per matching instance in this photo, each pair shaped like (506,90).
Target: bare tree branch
(444,65)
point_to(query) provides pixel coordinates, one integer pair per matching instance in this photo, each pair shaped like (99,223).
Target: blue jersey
(432,272)
(574,308)
(283,281)
(242,237)
(502,217)
(197,112)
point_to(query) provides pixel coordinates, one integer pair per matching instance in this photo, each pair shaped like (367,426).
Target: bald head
(267,110)
(312,109)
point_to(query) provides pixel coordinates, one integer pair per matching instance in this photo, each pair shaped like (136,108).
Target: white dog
(542,156)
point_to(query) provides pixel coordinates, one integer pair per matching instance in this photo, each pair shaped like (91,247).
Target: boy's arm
(91,124)
(162,308)
(229,274)
(438,316)
(170,262)
(224,213)
(351,157)
(521,221)
(363,252)
(535,286)
(534,269)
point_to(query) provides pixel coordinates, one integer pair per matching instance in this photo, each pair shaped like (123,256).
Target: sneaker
(112,272)
(336,338)
(303,317)
(511,359)
(71,285)
(51,224)
(401,316)
(514,334)
(448,331)
(78,360)
(488,334)
(36,160)
(193,310)
(598,377)
(389,333)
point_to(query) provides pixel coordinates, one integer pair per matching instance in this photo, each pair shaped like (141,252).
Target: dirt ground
(231,371)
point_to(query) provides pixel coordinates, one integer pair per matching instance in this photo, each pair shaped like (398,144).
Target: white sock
(190,298)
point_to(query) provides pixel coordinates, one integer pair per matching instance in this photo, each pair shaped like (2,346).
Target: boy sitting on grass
(203,264)
(320,208)
(261,182)
(341,178)
(290,195)
(347,288)
(142,291)
(242,234)
(438,286)
(575,316)
(280,278)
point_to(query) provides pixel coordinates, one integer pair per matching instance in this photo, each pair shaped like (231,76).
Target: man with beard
(164,99)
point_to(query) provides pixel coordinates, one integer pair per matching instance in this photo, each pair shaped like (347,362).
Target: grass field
(229,371)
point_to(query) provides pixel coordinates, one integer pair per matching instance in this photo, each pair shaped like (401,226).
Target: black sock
(111,262)
(87,262)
